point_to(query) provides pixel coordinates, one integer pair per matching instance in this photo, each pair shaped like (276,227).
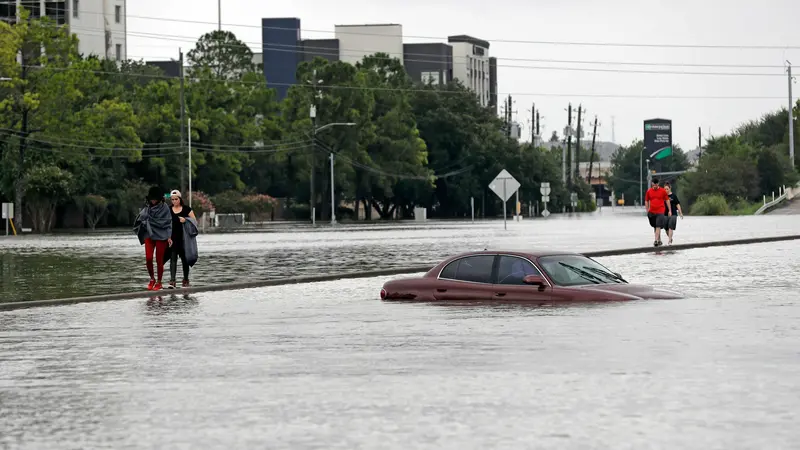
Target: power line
(510,41)
(374,88)
(321,51)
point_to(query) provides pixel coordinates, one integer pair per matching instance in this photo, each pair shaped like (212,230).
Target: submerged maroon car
(537,277)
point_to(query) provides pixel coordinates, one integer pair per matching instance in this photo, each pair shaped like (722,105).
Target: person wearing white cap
(180,212)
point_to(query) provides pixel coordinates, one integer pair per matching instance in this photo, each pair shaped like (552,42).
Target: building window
(119,52)
(429,78)
(75,5)
(118,14)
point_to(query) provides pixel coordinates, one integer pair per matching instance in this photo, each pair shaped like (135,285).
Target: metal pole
(190,162)
(791,118)
(516,205)
(183,113)
(333,205)
(505,197)
(219,13)
(641,190)
(472,208)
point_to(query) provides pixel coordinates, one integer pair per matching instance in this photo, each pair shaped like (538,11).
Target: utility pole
(578,145)
(333,202)
(219,14)
(791,116)
(699,142)
(538,131)
(591,158)
(312,202)
(533,124)
(566,158)
(183,118)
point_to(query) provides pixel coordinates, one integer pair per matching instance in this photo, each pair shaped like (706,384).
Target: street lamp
(333,202)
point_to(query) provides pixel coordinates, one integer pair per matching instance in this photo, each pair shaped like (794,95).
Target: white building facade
(359,41)
(471,65)
(100,25)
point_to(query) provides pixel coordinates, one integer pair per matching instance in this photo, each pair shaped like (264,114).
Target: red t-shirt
(658,198)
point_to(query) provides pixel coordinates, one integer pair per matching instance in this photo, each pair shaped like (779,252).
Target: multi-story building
(100,25)
(463,57)
(471,65)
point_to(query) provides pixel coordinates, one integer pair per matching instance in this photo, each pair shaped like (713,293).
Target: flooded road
(329,366)
(36,268)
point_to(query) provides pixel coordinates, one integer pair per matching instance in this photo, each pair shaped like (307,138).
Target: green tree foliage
(746,165)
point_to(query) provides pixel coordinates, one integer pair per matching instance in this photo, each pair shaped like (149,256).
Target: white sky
(697,22)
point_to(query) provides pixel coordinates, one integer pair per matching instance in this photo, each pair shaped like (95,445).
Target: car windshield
(577,270)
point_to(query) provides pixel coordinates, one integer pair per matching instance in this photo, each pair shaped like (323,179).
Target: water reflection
(172,304)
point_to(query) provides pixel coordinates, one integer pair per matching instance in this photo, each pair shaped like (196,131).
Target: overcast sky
(605,94)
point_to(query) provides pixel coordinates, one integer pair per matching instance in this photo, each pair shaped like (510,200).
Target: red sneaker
(185,283)
(157,287)
(151,285)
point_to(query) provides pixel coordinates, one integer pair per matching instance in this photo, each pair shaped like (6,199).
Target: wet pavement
(329,366)
(43,267)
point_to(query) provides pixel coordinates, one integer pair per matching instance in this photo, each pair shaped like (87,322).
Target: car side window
(477,269)
(511,270)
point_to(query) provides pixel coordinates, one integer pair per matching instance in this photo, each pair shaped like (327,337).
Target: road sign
(504,185)
(545,189)
(546,198)
(8,211)
(545,213)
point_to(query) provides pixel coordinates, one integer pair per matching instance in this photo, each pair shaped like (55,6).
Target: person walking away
(657,204)
(675,209)
(153,227)
(180,212)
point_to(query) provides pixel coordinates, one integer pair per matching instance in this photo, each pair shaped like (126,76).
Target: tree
(94,207)
(35,95)
(222,55)
(395,148)
(46,187)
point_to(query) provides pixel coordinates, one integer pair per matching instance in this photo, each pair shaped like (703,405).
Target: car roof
(533,253)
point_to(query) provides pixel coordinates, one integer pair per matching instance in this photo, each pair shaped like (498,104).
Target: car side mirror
(534,280)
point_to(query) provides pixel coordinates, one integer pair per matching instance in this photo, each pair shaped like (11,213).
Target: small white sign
(545,213)
(8,211)
(504,185)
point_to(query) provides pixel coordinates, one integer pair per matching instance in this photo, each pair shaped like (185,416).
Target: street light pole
(333,200)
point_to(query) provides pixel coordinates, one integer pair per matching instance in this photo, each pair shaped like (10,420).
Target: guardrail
(362,274)
(784,193)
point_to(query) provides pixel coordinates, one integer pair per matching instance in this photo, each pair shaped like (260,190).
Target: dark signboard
(657,138)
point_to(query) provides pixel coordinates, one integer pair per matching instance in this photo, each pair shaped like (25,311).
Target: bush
(258,204)
(201,203)
(710,205)
(229,202)
(93,207)
(586,206)
(741,207)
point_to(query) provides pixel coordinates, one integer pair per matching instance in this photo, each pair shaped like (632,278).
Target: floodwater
(330,366)
(42,267)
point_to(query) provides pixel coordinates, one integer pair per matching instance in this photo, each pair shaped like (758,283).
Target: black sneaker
(655,243)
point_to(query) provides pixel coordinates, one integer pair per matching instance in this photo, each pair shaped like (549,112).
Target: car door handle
(441,290)
(500,294)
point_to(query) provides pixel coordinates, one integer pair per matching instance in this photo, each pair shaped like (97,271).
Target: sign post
(504,185)
(544,189)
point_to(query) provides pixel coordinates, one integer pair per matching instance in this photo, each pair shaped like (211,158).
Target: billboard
(657,138)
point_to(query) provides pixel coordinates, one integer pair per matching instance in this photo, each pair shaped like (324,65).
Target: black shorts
(672,222)
(657,220)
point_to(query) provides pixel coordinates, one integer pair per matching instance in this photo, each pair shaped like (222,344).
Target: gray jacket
(154,222)
(190,240)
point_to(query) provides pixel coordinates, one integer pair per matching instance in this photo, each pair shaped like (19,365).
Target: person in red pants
(153,227)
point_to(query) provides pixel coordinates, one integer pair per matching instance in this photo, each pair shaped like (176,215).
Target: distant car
(520,277)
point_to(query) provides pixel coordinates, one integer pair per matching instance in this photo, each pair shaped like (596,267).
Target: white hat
(175,193)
